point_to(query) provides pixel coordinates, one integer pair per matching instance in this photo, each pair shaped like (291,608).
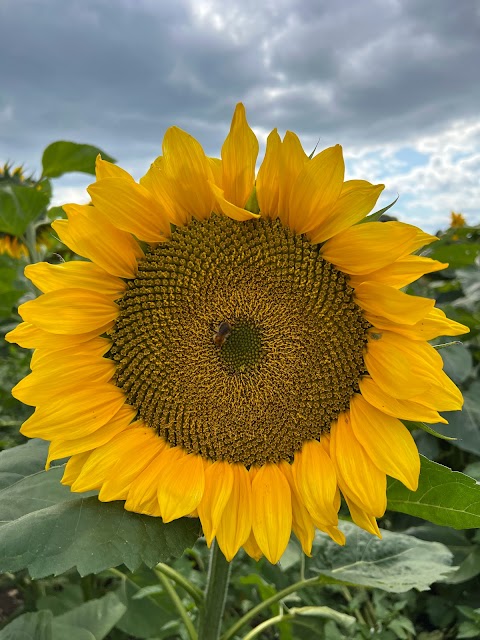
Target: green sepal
(374,217)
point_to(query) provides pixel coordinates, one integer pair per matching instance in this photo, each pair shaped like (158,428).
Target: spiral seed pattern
(289,365)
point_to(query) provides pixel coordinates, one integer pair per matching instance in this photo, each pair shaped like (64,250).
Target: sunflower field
(235,404)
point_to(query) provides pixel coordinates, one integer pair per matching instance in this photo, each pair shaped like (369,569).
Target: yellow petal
(131,208)
(236,521)
(74,467)
(30,337)
(403,409)
(267,180)
(251,547)
(217,171)
(239,155)
(61,376)
(385,301)
(94,348)
(302,523)
(272,511)
(292,160)
(70,311)
(422,239)
(104,169)
(434,324)
(189,171)
(181,484)
(335,534)
(363,481)
(218,487)
(371,246)
(401,272)
(103,459)
(120,422)
(387,441)
(356,200)
(316,190)
(229,209)
(316,482)
(163,190)
(86,411)
(443,396)
(363,519)
(85,233)
(142,494)
(397,371)
(147,447)
(74,275)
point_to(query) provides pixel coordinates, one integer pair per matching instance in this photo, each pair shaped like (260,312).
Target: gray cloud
(117,73)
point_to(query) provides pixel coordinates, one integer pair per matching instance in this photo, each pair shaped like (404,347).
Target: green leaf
(48,529)
(461,254)
(96,616)
(41,625)
(457,362)
(444,497)
(145,616)
(19,206)
(465,425)
(396,564)
(64,157)
(373,217)
(54,213)
(468,569)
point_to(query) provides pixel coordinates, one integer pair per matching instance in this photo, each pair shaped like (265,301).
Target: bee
(221,334)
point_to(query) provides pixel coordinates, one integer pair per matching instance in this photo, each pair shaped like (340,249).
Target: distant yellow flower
(457,220)
(13,247)
(242,368)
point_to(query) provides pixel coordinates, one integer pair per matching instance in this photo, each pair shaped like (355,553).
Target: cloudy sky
(396,82)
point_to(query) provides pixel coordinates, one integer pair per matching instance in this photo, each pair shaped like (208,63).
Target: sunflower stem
(215,595)
(178,604)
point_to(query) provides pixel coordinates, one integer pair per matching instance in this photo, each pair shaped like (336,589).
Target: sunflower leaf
(19,206)
(47,529)
(444,497)
(64,157)
(397,563)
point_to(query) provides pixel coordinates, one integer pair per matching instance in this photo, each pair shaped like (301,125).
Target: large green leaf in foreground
(397,563)
(444,497)
(47,529)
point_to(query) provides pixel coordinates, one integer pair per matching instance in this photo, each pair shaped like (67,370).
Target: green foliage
(19,206)
(444,497)
(48,529)
(397,563)
(91,620)
(63,157)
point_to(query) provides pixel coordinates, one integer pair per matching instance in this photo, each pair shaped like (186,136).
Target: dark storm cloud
(116,73)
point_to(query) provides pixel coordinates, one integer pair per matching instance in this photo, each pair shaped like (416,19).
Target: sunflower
(234,348)
(457,220)
(12,246)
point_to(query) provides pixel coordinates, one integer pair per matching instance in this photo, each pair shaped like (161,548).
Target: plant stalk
(215,595)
